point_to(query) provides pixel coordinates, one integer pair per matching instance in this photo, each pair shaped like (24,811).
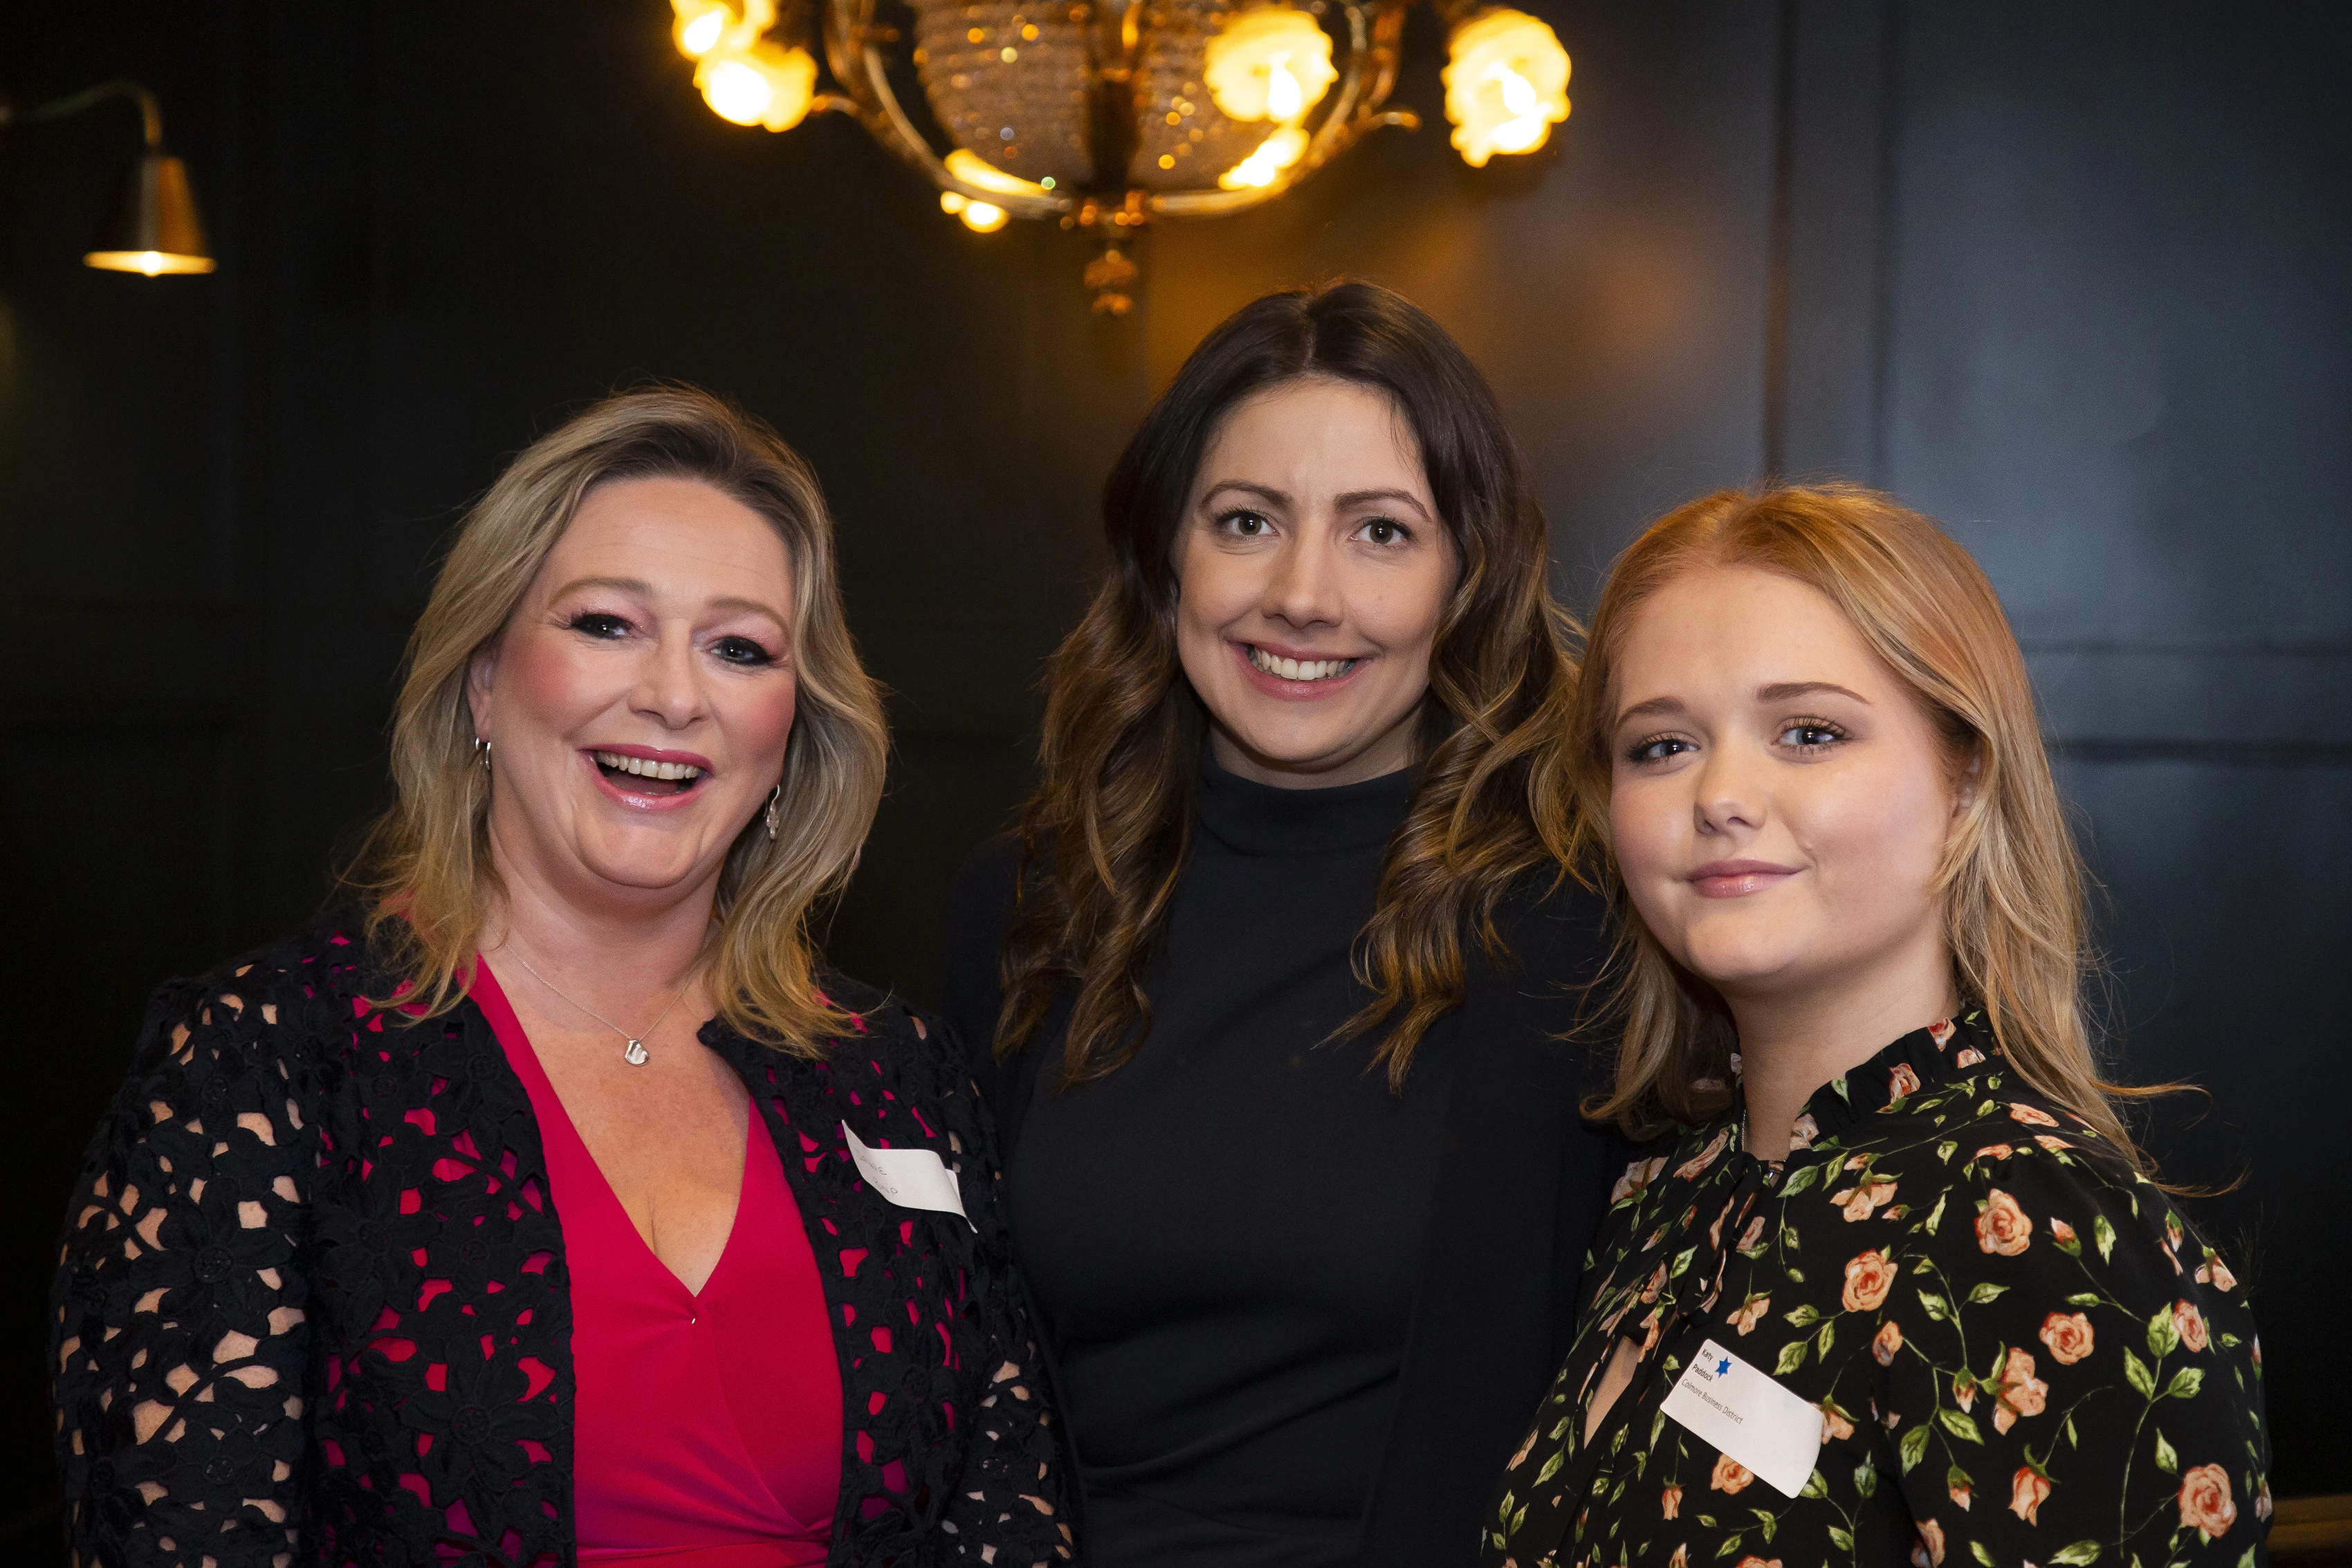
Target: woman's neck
(622,949)
(1792,1042)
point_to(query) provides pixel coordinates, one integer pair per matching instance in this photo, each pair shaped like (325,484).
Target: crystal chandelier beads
(1108,114)
(1009,82)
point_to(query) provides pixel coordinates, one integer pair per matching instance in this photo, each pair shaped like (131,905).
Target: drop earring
(773,796)
(482,753)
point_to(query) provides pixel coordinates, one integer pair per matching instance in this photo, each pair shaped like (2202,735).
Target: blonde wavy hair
(425,867)
(2011,881)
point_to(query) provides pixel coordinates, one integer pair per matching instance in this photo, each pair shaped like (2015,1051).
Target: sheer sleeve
(178,1341)
(2073,1378)
(1011,1505)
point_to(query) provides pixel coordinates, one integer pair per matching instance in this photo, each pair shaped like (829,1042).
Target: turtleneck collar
(1253,819)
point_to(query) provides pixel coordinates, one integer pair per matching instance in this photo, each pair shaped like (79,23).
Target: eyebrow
(1780,691)
(1344,501)
(644,590)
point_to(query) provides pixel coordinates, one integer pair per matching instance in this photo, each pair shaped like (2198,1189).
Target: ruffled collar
(1922,1059)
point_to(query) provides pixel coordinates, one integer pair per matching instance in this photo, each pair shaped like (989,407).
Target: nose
(1727,792)
(669,687)
(1303,588)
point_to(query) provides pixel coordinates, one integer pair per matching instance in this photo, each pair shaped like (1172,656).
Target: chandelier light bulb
(1276,153)
(696,39)
(1505,84)
(1269,63)
(702,26)
(983,217)
(765,84)
(974,170)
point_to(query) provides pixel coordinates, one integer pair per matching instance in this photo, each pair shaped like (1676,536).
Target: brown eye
(1657,748)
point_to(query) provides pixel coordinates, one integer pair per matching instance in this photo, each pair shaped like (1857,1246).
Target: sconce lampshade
(157,230)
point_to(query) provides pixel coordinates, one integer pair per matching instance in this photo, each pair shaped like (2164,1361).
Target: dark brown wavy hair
(1105,837)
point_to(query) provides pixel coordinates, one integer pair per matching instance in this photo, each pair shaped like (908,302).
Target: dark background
(2073,278)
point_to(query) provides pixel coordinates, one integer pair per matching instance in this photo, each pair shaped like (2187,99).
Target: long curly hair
(1104,839)
(2012,883)
(425,867)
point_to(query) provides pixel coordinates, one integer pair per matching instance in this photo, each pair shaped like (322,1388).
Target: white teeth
(1299,669)
(645,769)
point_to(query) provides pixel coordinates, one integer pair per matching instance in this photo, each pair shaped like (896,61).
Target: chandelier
(1104,115)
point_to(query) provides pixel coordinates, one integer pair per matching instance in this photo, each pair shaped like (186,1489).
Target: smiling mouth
(641,776)
(1283,669)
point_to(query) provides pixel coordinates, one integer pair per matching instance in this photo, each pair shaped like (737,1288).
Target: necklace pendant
(635,1055)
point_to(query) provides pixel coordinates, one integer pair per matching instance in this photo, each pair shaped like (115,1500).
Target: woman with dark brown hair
(1277,967)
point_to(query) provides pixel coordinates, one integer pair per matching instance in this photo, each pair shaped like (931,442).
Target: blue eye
(1811,735)
(596,623)
(744,651)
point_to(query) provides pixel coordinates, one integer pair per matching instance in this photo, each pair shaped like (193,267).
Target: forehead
(675,531)
(1726,631)
(1316,428)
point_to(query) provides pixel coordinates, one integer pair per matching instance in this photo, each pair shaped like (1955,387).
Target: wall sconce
(1104,115)
(156,229)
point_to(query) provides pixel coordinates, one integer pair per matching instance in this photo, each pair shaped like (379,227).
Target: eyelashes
(1808,737)
(1830,730)
(1652,748)
(1241,522)
(734,648)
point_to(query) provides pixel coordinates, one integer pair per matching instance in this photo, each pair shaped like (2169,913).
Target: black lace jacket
(2020,1353)
(312,1305)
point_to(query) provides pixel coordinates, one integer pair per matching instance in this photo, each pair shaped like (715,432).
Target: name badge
(1749,1418)
(911,1178)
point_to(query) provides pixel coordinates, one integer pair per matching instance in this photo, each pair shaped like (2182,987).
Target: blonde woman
(554,1202)
(1898,1282)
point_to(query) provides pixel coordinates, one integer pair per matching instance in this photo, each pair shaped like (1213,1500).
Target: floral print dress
(2020,1353)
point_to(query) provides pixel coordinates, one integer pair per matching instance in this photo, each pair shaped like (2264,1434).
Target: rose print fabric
(2021,1352)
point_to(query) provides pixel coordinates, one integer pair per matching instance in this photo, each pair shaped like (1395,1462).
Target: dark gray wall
(2072,279)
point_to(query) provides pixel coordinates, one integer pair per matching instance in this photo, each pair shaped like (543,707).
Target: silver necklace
(634,1053)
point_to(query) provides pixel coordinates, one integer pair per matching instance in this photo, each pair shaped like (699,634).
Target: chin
(1738,960)
(643,868)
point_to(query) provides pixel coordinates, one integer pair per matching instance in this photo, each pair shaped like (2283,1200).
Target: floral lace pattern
(2019,1351)
(313,1302)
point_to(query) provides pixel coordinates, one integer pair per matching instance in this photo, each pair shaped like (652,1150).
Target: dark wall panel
(2070,277)
(2116,365)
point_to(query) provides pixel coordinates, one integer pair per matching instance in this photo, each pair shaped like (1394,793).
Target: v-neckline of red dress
(489,995)
(709,1423)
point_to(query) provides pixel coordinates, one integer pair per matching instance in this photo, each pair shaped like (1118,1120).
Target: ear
(1964,795)
(481,674)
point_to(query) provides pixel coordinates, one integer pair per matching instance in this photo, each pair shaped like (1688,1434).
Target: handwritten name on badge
(911,1178)
(1749,1418)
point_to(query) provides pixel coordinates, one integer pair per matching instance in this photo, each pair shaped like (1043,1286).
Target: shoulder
(289,996)
(892,1043)
(1997,1183)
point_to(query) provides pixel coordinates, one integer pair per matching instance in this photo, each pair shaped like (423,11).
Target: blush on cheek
(762,726)
(552,676)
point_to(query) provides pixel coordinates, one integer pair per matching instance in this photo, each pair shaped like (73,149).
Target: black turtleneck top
(1226,1236)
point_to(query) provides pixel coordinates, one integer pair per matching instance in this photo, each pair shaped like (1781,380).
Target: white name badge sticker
(1750,1416)
(911,1178)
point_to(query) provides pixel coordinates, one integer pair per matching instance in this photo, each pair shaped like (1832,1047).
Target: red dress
(707,1428)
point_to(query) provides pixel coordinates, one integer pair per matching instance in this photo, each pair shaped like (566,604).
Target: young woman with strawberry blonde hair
(1871,1300)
